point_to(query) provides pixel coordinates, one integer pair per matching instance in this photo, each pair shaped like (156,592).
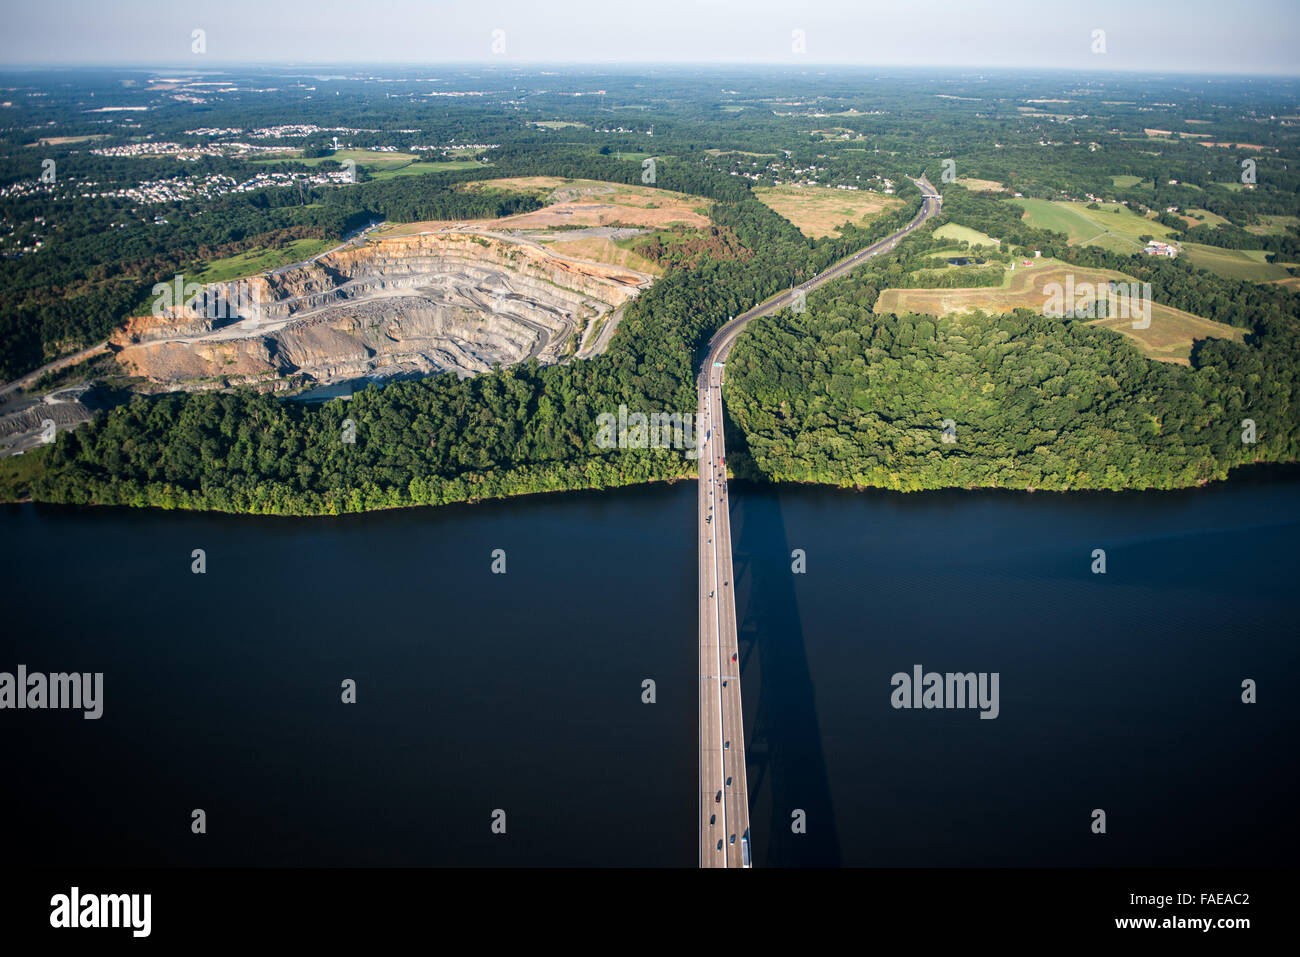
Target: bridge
(724,796)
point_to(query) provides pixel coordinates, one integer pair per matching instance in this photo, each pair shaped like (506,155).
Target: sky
(1162,36)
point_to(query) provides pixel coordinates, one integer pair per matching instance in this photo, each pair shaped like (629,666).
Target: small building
(1157,248)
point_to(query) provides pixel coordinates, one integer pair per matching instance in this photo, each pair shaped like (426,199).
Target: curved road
(723,793)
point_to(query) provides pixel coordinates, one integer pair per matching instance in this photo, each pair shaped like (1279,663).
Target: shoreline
(1252,473)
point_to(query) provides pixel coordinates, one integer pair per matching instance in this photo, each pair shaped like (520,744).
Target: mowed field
(1274,225)
(1250,265)
(821,210)
(371,159)
(1112,227)
(980,185)
(964,234)
(1169,337)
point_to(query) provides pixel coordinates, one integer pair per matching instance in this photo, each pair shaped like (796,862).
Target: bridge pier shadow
(785,765)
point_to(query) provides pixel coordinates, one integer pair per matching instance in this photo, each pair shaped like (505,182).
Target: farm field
(964,234)
(1104,227)
(1199,217)
(256,261)
(64,140)
(980,185)
(1125,180)
(1274,225)
(422,168)
(1247,264)
(1169,337)
(370,159)
(821,210)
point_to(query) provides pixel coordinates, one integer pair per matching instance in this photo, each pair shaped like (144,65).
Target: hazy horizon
(1195,37)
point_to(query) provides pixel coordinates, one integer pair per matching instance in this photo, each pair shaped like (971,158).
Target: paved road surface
(723,792)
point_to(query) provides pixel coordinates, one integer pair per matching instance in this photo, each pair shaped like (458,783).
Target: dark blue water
(523,691)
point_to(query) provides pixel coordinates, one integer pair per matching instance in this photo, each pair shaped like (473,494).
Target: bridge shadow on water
(785,765)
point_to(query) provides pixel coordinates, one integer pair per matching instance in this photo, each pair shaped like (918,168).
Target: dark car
(717,799)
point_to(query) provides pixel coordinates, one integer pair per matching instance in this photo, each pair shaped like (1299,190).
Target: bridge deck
(724,795)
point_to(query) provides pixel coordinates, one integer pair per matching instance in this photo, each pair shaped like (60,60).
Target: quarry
(453,300)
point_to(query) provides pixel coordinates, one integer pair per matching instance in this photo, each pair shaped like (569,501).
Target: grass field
(1274,225)
(1104,227)
(18,471)
(964,234)
(64,140)
(421,168)
(260,260)
(556,124)
(1198,217)
(1125,180)
(370,159)
(1169,337)
(382,166)
(979,185)
(1247,264)
(820,210)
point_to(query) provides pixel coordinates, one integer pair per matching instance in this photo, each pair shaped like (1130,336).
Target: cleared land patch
(1203,217)
(1169,337)
(1274,225)
(1112,226)
(254,261)
(370,159)
(588,220)
(586,202)
(980,185)
(964,234)
(821,210)
(1247,264)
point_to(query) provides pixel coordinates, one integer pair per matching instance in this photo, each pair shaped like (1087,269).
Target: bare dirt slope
(457,301)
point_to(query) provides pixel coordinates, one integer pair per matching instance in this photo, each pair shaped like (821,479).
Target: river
(523,692)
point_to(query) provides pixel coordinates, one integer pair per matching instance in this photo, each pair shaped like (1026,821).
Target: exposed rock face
(408,305)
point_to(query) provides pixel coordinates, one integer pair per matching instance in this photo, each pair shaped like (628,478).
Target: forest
(836,394)
(842,396)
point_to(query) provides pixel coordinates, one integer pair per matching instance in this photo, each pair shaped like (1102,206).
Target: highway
(723,793)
